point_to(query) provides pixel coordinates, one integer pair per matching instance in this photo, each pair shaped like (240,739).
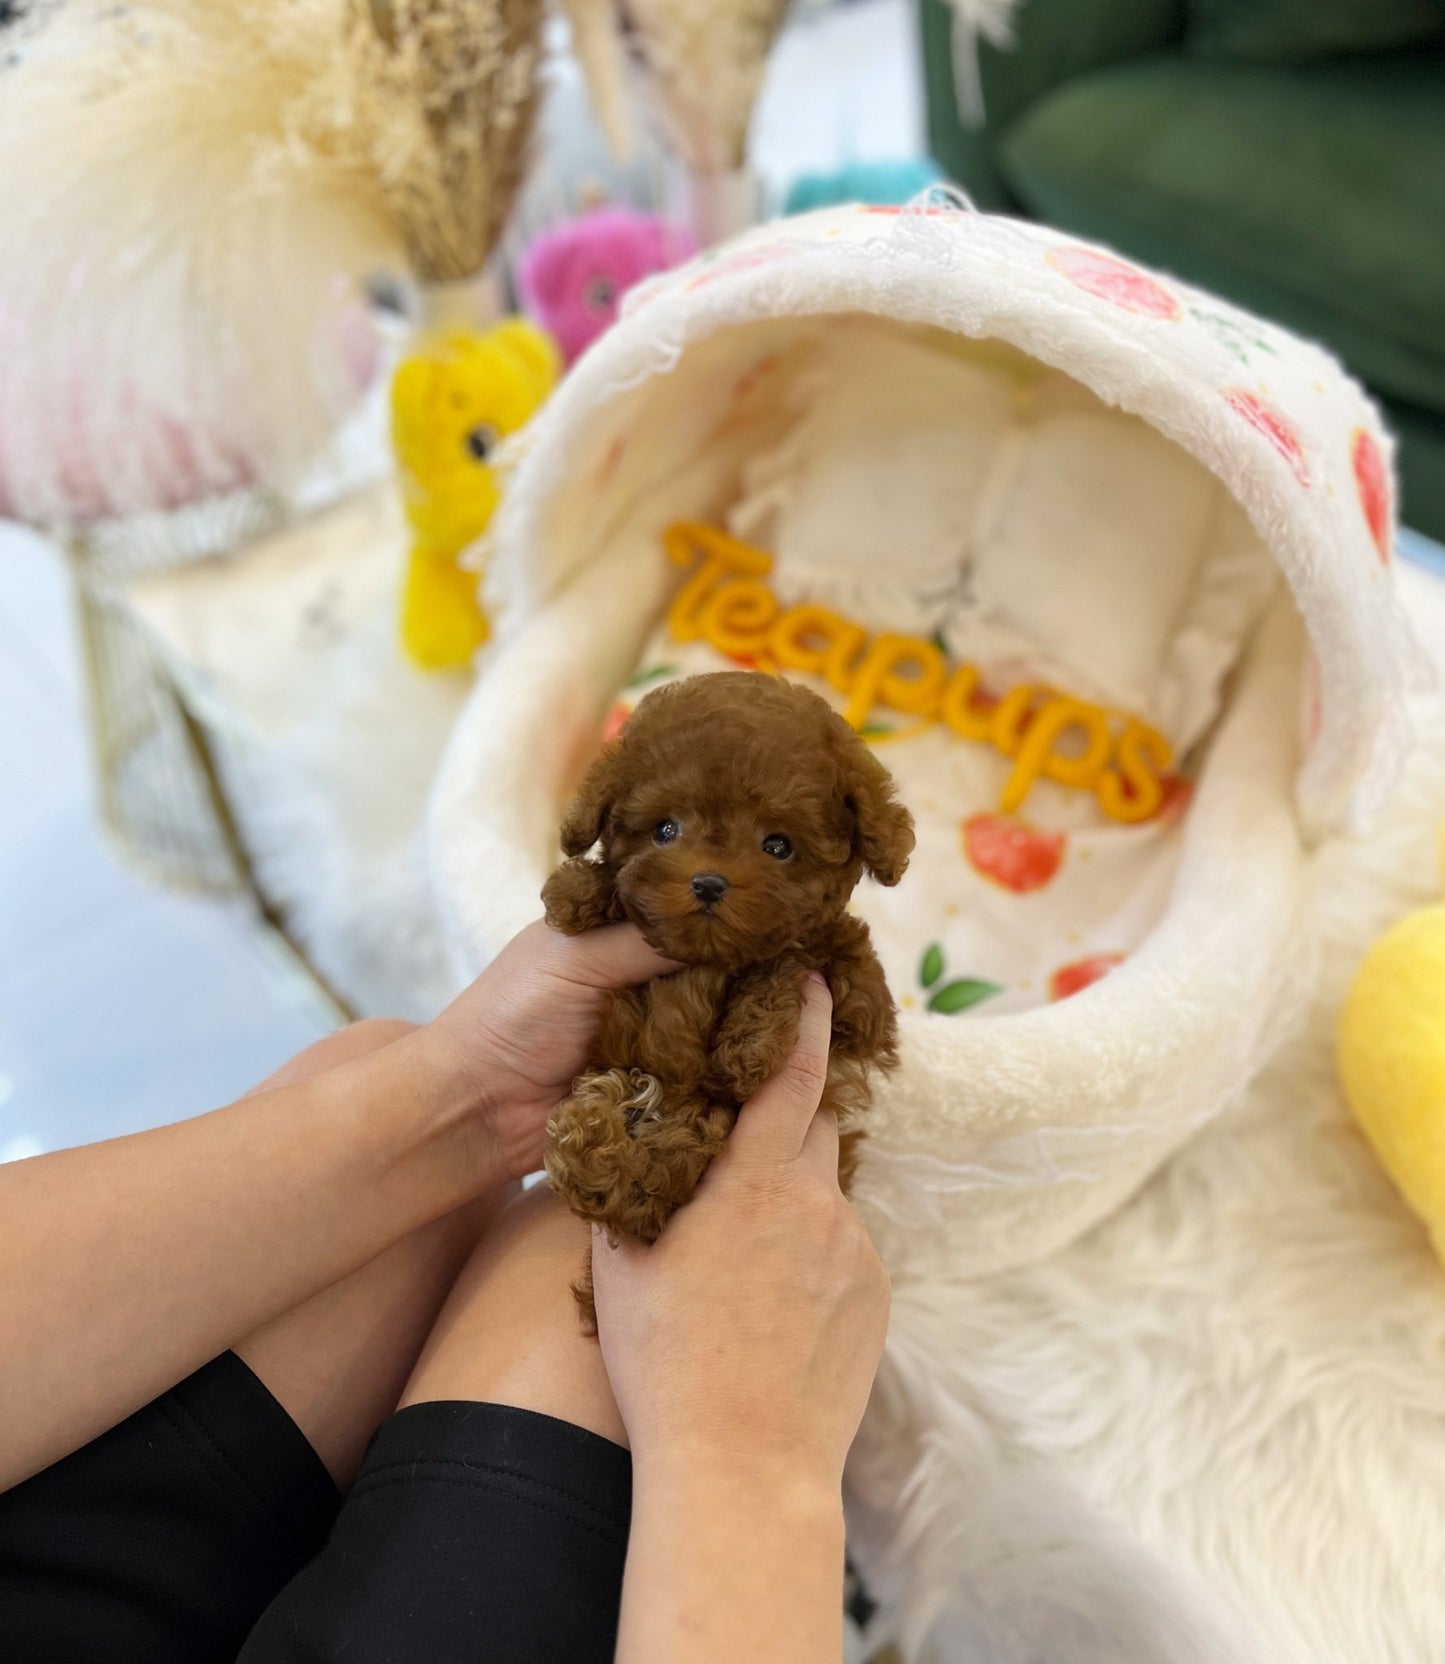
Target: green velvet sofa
(1289,154)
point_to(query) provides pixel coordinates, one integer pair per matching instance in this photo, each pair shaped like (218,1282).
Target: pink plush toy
(573,278)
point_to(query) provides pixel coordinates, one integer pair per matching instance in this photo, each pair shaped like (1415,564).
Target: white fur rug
(1214,1428)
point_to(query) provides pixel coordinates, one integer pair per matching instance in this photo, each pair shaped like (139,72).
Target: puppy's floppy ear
(883,828)
(587,814)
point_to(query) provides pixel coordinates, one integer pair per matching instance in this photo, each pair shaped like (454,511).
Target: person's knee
(357,1039)
(510,1332)
(369,1034)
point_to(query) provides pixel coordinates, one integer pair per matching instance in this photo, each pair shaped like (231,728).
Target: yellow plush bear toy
(1392,1060)
(453,400)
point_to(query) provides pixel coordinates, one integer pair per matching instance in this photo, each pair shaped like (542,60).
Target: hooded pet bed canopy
(1013,470)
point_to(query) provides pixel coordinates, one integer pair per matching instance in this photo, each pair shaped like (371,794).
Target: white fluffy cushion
(890,455)
(1091,544)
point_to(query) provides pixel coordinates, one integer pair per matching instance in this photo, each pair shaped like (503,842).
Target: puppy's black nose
(708,887)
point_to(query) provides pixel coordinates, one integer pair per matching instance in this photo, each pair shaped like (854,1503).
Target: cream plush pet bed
(1079,475)
(1007,1133)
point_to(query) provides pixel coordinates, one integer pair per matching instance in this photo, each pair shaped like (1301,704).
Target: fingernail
(818,979)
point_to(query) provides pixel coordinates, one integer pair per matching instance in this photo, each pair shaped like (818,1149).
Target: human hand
(749,1333)
(519,1034)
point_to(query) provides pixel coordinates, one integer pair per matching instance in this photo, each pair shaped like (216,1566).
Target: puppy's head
(736,812)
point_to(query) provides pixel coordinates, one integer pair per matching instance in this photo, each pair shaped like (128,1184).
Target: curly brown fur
(707,775)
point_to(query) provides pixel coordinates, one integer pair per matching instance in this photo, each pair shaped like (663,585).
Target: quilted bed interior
(964,496)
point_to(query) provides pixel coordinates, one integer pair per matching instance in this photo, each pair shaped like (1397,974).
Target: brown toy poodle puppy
(735,814)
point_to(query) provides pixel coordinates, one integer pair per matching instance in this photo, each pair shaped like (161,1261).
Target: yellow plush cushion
(1392,1060)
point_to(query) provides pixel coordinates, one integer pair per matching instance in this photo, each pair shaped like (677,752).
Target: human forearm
(127,1264)
(732,1559)
(741,1390)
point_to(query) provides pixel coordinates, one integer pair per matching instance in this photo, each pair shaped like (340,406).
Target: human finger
(820,1145)
(613,956)
(612,1259)
(772,1125)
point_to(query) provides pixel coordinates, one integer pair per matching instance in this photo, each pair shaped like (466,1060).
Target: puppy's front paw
(581,895)
(758,1032)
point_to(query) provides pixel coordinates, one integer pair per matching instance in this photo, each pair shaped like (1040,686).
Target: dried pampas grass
(447,96)
(700,64)
(182,202)
(190,191)
(973,21)
(597,46)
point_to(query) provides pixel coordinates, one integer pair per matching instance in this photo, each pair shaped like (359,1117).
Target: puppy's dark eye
(776,845)
(665,831)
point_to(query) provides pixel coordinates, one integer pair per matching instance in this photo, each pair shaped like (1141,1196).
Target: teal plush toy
(873,182)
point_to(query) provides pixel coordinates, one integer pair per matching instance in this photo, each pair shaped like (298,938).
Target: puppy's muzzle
(709,887)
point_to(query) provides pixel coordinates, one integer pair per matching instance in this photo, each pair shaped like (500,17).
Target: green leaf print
(958,996)
(931,968)
(654,673)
